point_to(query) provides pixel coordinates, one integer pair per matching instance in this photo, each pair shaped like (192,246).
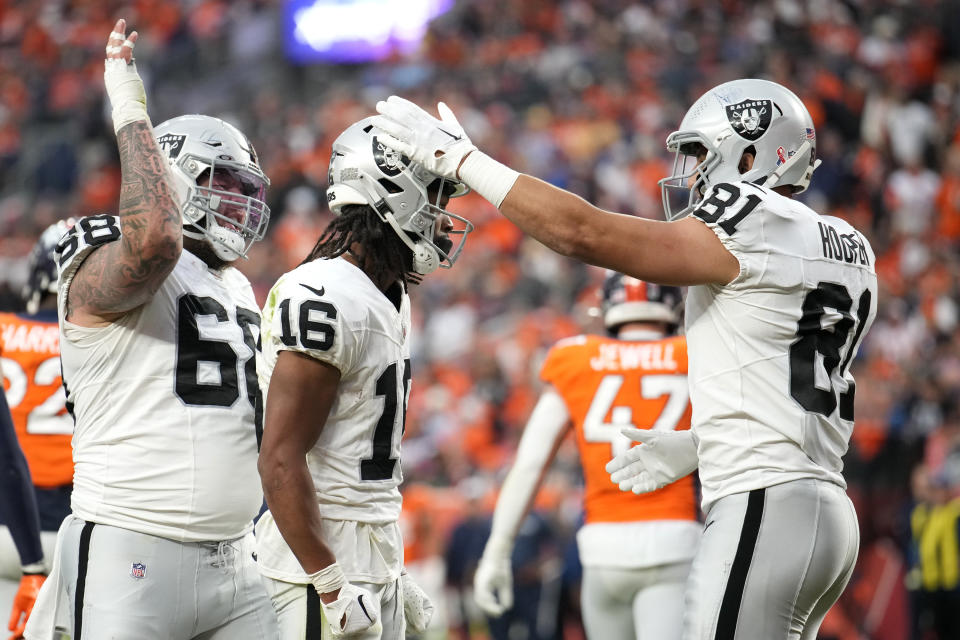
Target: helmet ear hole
(746,159)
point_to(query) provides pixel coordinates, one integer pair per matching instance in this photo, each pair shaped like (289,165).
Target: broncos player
(18,507)
(336,336)
(30,362)
(779,301)
(595,386)
(158,343)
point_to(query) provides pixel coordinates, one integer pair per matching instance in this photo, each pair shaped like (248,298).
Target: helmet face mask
(743,116)
(404,195)
(679,194)
(219,182)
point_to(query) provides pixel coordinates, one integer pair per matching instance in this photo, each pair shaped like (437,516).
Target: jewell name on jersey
(652,355)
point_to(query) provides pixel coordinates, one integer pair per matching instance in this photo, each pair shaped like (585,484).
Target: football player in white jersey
(336,367)
(158,344)
(780,299)
(594,386)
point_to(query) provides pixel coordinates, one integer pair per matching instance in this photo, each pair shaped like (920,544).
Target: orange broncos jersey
(608,384)
(30,360)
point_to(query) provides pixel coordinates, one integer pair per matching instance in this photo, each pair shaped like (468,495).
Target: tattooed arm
(120,276)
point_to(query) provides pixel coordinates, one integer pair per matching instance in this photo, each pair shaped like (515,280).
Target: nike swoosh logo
(709,524)
(450,134)
(360,600)
(319,291)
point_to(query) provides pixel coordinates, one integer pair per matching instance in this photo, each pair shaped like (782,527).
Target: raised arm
(120,276)
(549,422)
(677,253)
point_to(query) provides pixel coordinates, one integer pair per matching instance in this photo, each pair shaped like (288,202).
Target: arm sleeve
(18,504)
(545,429)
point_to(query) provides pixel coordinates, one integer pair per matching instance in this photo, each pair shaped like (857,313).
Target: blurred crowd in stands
(582,94)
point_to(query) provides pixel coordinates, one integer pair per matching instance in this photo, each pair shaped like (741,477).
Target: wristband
(491,179)
(126,93)
(328,579)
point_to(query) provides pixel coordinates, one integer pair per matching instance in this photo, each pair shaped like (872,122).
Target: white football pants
(771,563)
(114,583)
(634,604)
(300,613)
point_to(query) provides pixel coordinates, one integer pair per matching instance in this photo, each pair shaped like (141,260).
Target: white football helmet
(365,171)
(197,148)
(728,120)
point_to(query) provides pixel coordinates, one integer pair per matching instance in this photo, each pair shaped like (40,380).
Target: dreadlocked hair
(385,255)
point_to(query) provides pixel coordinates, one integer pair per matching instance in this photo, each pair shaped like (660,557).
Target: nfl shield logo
(138,570)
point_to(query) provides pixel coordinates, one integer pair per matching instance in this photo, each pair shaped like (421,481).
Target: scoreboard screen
(355,30)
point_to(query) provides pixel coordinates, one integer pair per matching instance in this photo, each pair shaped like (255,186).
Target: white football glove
(493,583)
(123,84)
(354,611)
(664,457)
(438,145)
(417,608)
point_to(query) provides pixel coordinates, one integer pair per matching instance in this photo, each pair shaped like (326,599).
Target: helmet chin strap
(426,259)
(227,244)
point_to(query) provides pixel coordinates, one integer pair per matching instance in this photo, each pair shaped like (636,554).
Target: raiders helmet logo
(389,161)
(253,152)
(171,144)
(750,118)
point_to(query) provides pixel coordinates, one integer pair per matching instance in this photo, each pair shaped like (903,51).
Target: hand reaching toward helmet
(442,147)
(438,145)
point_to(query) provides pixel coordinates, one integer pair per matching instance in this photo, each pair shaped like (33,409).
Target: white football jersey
(165,401)
(770,352)
(331,311)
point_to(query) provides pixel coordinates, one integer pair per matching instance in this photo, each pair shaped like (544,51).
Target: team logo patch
(138,570)
(253,152)
(750,118)
(390,161)
(172,143)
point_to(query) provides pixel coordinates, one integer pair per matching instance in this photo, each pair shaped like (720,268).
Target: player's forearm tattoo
(122,275)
